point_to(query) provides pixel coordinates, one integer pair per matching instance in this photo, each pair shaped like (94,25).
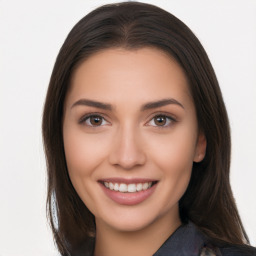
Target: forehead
(145,74)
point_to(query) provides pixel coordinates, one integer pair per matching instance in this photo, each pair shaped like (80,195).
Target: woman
(137,141)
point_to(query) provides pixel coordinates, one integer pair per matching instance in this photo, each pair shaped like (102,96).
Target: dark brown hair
(208,201)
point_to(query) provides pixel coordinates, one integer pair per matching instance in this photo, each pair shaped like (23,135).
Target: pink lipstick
(128,191)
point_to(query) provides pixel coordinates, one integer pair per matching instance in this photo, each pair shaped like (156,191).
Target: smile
(128,191)
(128,188)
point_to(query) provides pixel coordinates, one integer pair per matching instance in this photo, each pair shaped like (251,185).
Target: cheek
(174,155)
(175,162)
(176,168)
(174,151)
(83,153)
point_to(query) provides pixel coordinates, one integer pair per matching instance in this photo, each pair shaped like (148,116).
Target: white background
(31,33)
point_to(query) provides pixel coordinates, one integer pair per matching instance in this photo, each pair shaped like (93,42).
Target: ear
(200,148)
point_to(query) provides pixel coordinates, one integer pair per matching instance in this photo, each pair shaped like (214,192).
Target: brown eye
(95,120)
(160,120)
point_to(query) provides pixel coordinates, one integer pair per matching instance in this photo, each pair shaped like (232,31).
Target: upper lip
(127,180)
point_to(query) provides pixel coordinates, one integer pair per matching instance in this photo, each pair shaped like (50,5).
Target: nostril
(127,150)
(127,162)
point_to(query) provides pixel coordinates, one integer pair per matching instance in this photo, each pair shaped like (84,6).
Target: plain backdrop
(31,33)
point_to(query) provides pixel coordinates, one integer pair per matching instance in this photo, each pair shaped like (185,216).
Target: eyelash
(85,118)
(169,119)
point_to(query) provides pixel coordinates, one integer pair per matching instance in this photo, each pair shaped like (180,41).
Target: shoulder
(218,248)
(188,239)
(238,250)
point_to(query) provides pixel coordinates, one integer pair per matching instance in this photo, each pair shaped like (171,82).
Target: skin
(129,142)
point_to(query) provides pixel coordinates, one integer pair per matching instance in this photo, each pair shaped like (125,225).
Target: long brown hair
(208,201)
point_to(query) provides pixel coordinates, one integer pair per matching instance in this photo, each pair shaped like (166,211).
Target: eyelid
(172,118)
(91,114)
(163,113)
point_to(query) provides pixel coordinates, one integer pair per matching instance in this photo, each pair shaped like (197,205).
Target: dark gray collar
(186,240)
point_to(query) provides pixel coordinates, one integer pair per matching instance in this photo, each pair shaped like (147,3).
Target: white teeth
(111,185)
(123,187)
(130,188)
(116,187)
(145,186)
(139,187)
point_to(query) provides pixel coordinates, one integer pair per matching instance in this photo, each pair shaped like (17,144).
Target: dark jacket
(188,240)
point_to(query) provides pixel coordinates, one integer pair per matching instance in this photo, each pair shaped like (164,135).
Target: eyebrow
(106,106)
(160,103)
(92,103)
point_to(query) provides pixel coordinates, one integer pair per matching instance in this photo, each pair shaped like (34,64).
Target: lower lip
(128,198)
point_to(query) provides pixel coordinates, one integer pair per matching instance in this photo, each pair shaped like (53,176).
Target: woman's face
(130,137)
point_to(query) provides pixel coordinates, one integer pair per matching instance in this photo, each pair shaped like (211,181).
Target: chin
(130,219)
(131,224)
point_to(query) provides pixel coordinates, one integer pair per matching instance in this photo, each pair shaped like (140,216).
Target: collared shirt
(187,240)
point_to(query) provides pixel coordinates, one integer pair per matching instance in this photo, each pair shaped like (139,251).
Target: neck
(112,242)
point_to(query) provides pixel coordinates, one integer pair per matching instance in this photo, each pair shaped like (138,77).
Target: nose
(128,150)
